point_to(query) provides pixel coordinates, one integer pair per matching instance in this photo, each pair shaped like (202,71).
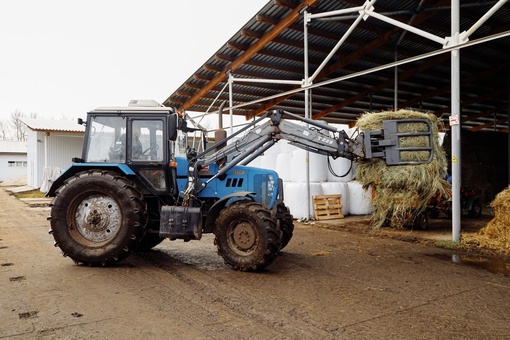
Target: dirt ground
(335,280)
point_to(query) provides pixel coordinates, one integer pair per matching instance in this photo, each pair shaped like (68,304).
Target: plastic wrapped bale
(359,199)
(399,191)
(497,231)
(295,198)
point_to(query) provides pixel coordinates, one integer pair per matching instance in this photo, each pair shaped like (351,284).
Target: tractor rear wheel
(247,236)
(97,217)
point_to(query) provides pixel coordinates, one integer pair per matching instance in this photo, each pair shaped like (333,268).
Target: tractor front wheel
(97,217)
(286,225)
(247,236)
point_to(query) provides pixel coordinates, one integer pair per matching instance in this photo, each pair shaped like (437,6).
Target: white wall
(35,149)
(7,172)
(61,148)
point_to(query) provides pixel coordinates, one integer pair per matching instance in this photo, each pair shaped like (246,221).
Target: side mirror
(81,121)
(172,126)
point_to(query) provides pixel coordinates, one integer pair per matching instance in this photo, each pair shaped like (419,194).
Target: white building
(51,145)
(13,160)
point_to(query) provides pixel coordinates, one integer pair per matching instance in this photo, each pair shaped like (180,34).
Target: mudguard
(213,213)
(79,167)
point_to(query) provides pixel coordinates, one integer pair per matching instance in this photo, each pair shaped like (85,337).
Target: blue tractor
(137,184)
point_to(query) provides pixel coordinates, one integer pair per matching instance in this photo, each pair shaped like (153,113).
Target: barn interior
(335,60)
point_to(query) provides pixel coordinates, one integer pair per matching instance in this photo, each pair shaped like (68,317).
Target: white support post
(455,122)
(307,111)
(46,141)
(395,85)
(231,101)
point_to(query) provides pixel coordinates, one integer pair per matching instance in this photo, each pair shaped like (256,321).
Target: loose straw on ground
(497,232)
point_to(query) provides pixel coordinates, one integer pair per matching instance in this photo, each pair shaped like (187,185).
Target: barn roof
(356,78)
(48,125)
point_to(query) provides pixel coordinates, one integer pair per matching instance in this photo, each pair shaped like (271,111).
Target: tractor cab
(124,139)
(137,140)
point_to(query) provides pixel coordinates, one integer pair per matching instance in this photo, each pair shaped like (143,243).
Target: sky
(60,59)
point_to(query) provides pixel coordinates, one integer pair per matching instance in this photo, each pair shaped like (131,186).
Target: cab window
(146,140)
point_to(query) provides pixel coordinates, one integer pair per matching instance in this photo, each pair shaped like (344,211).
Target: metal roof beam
(420,68)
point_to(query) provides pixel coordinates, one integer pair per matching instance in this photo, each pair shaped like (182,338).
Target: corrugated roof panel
(52,125)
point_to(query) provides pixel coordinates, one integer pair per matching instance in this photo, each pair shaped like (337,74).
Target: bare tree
(4,130)
(20,129)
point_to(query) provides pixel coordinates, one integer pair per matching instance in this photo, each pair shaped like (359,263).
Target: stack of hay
(401,191)
(498,229)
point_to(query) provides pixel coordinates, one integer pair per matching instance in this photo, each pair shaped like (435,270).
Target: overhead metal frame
(421,85)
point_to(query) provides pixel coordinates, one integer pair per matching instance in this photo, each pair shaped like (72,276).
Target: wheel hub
(98,218)
(244,236)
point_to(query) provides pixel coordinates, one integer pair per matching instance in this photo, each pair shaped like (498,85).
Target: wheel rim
(97,218)
(243,237)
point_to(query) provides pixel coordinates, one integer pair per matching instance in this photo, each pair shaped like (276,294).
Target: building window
(17,164)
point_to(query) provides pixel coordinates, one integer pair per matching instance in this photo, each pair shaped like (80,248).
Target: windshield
(106,140)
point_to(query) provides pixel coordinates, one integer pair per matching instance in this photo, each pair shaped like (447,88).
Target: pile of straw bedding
(398,191)
(498,229)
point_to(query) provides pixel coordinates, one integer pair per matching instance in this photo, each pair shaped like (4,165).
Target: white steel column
(46,141)
(455,122)
(231,101)
(395,86)
(306,93)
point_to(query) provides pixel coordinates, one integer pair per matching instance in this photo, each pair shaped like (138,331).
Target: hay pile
(398,191)
(498,229)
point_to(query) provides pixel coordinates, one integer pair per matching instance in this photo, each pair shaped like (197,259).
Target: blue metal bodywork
(262,184)
(75,168)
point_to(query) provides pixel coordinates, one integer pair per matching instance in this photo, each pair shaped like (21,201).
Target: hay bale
(498,229)
(399,190)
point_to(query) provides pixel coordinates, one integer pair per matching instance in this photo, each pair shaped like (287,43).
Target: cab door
(147,152)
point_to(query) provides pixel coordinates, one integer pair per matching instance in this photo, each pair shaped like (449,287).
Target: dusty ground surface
(335,280)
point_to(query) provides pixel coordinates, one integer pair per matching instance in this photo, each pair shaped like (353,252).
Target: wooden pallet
(327,207)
